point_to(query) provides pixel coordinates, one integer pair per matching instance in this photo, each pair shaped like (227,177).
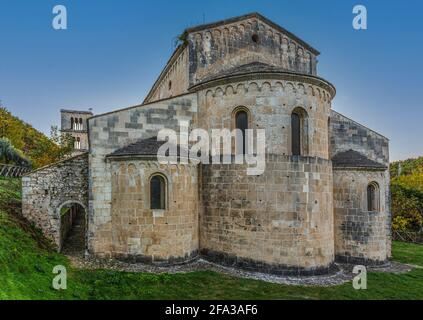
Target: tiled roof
(354,159)
(245,69)
(143,147)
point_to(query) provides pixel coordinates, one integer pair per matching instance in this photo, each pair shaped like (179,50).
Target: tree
(64,141)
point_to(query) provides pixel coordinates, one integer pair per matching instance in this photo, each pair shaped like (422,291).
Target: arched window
(373,202)
(299,132)
(72,123)
(78,143)
(241,123)
(296,134)
(81,127)
(157,192)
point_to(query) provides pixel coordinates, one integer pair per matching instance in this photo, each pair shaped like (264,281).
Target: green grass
(26,265)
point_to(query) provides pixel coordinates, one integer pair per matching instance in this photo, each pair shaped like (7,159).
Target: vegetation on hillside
(27,261)
(32,145)
(407,194)
(11,155)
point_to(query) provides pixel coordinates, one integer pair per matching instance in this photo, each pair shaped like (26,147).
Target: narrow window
(296,134)
(157,192)
(72,123)
(241,123)
(372,197)
(78,143)
(81,127)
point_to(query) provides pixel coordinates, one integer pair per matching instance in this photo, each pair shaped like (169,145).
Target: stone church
(323,198)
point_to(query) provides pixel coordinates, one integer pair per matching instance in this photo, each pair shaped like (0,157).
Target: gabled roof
(257,16)
(354,159)
(143,147)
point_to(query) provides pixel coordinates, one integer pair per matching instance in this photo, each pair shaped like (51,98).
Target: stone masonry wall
(279,222)
(46,190)
(174,80)
(270,103)
(159,236)
(222,47)
(346,134)
(115,130)
(361,236)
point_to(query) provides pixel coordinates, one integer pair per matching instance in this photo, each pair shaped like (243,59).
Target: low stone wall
(361,236)
(45,191)
(279,222)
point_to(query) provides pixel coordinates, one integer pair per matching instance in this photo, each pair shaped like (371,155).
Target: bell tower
(74,122)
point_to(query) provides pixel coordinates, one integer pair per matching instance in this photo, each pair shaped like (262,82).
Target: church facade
(323,196)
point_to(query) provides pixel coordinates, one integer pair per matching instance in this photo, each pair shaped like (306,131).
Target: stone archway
(73,228)
(46,190)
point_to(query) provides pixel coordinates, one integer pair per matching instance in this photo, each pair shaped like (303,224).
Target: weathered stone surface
(111,132)
(360,235)
(142,234)
(215,48)
(347,134)
(47,190)
(282,219)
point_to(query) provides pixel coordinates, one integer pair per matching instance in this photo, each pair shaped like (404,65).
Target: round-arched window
(241,123)
(299,132)
(373,197)
(157,192)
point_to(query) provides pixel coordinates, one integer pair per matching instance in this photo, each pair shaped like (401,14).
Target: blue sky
(113,51)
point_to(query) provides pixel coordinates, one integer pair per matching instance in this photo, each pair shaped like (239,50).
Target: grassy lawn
(26,265)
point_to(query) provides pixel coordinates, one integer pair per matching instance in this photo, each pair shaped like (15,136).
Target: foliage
(34,145)
(407,194)
(401,223)
(408,166)
(10,155)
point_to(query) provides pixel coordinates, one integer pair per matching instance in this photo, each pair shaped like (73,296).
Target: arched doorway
(73,228)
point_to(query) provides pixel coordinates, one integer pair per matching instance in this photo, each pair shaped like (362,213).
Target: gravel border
(344,274)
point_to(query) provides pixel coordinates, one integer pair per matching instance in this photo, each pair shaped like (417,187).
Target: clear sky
(114,50)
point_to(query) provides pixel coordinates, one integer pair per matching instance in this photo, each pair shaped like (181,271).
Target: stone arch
(166,190)
(240,88)
(229,90)
(373,197)
(253,87)
(72,214)
(64,181)
(266,87)
(301,89)
(278,87)
(209,94)
(219,92)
